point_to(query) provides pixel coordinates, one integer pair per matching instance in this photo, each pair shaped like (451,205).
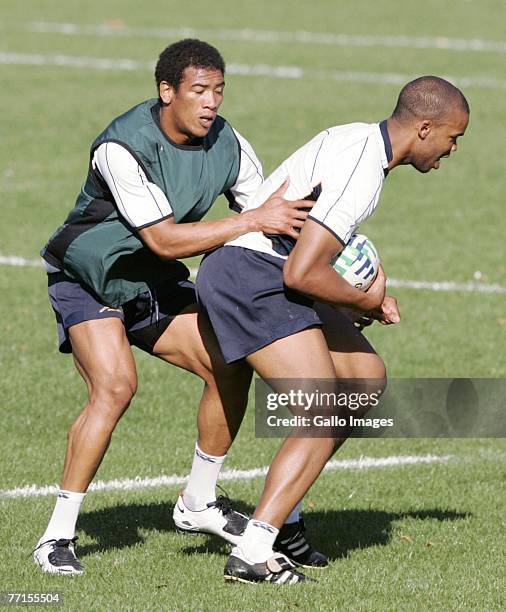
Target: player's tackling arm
(171,240)
(308,270)
(146,208)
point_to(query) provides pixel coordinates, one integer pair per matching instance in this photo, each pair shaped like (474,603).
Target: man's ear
(166,92)
(424,128)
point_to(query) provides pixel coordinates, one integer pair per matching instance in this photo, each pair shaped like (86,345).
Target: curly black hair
(180,55)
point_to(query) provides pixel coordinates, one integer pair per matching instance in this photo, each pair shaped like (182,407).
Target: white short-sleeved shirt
(142,203)
(343,168)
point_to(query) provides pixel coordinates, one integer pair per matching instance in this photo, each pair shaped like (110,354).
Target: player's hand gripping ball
(358,262)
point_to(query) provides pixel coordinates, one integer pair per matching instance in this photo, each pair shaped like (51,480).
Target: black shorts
(145,317)
(243,294)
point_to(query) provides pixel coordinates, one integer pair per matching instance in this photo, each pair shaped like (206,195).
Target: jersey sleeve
(249,179)
(140,202)
(350,190)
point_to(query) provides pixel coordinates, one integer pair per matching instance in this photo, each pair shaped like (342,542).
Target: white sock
(201,488)
(257,542)
(64,518)
(294,515)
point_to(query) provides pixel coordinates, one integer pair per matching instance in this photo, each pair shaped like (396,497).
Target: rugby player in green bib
(115,280)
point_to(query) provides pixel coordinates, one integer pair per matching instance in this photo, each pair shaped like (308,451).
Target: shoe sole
(317,567)
(229,578)
(191,532)
(54,570)
(198,530)
(236,579)
(60,572)
(296,563)
(63,573)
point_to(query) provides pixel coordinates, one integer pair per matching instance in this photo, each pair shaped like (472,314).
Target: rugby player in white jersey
(274,302)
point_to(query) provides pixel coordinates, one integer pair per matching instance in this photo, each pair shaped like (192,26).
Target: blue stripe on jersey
(386,141)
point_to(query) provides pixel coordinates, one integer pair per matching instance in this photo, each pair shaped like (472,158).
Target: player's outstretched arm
(309,271)
(171,240)
(145,207)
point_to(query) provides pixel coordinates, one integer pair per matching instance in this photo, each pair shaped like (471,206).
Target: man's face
(437,140)
(192,109)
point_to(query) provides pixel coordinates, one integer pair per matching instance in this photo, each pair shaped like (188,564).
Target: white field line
(248,70)
(133,484)
(13,260)
(272,36)
(448,286)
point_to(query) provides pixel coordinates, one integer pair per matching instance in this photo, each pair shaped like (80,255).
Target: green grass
(399,538)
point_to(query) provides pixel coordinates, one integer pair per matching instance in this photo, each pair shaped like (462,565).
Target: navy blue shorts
(242,293)
(145,318)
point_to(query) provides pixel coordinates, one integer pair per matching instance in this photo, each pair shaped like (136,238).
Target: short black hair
(177,57)
(428,97)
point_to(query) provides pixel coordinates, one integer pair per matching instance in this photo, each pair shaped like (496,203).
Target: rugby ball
(358,262)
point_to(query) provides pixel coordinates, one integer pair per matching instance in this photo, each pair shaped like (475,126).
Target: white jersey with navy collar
(342,168)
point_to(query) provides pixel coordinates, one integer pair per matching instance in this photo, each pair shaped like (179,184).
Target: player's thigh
(190,343)
(303,355)
(299,363)
(103,356)
(352,354)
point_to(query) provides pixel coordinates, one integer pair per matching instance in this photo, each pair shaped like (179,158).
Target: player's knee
(371,368)
(374,376)
(374,382)
(120,393)
(113,398)
(378,372)
(379,367)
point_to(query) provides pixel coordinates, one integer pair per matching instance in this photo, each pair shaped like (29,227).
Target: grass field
(409,537)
